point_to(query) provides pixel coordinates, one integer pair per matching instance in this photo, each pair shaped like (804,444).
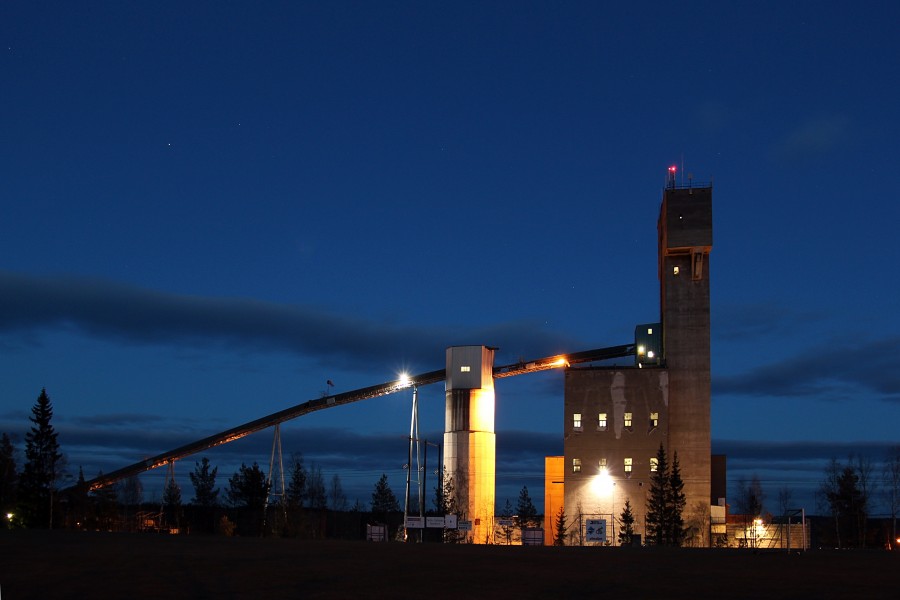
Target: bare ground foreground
(58,564)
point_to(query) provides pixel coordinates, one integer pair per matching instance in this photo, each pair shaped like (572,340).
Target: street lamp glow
(404,380)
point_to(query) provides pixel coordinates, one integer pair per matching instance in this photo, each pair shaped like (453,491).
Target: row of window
(628,464)
(602,421)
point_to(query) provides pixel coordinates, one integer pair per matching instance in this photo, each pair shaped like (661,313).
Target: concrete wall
(617,391)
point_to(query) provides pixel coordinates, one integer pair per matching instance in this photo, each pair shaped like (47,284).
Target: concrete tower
(616,417)
(469,438)
(685,242)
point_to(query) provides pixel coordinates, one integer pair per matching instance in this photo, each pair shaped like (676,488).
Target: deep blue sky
(210,209)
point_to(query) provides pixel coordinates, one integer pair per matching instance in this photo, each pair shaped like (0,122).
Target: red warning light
(672,169)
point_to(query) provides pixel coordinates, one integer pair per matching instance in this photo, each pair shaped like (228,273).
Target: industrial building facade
(617,417)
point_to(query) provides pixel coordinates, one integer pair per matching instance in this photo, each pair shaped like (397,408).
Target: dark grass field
(36,564)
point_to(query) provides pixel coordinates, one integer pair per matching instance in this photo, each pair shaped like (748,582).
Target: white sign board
(434,522)
(450,521)
(595,530)
(465,525)
(415,522)
(505,522)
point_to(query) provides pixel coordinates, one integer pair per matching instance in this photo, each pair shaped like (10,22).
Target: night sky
(210,209)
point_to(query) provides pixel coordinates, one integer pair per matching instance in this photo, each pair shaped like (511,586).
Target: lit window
(654,464)
(576,420)
(628,419)
(649,331)
(576,465)
(628,465)
(601,421)
(675,270)
(465,369)
(654,419)
(602,464)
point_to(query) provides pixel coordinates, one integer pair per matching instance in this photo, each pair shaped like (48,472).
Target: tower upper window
(576,421)
(465,369)
(654,465)
(601,422)
(654,419)
(602,464)
(628,419)
(576,465)
(628,465)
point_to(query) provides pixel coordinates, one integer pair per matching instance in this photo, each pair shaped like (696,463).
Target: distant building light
(649,331)
(465,369)
(675,270)
(650,354)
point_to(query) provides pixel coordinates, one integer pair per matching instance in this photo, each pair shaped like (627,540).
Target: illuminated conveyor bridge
(236,433)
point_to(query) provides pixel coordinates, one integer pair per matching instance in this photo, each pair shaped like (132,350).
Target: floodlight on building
(561,362)
(641,350)
(650,354)
(602,484)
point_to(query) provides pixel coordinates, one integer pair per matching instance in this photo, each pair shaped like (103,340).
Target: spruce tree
(248,492)
(526,511)
(559,537)
(507,516)
(626,531)
(172,504)
(676,503)
(206,496)
(248,488)
(657,501)
(296,493)
(383,499)
(42,463)
(204,482)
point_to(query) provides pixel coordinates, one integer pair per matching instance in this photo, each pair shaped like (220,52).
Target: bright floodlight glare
(602,484)
(404,379)
(650,354)
(560,362)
